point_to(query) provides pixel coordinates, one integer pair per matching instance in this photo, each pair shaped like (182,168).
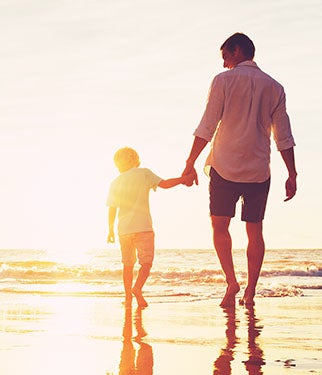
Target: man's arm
(111,221)
(290,185)
(198,145)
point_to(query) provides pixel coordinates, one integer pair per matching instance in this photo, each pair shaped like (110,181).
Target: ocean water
(177,274)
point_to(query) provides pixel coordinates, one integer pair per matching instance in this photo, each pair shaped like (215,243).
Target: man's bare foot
(139,298)
(229,297)
(248,302)
(248,298)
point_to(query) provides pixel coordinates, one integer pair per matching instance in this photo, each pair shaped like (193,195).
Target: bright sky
(81,79)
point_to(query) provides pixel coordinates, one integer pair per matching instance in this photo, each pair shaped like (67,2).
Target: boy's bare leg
(223,246)
(144,272)
(255,256)
(127,281)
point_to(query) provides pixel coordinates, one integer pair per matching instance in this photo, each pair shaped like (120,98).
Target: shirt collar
(248,63)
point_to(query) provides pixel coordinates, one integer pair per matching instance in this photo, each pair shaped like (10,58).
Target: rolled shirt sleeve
(213,112)
(281,127)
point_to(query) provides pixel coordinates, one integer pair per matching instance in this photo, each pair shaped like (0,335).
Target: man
(245,106)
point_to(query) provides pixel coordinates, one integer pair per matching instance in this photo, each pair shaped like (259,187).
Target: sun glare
(70,256)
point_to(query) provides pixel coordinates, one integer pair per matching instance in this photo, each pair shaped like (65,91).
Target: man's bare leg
(127,281)
(255,256)
(144,272)
(223,246)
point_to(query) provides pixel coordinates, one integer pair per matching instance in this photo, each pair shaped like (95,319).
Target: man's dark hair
(241,40)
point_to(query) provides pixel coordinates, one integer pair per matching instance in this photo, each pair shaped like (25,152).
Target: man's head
(236,49)
(126,158)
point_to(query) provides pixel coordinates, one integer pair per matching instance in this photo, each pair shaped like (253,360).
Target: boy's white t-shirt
(129,192)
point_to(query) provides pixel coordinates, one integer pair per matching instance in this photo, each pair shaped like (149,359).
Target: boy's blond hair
(126,158)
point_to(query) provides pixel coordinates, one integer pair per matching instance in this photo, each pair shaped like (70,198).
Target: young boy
(129,195)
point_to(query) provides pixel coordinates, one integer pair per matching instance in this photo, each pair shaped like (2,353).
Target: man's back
(244,104)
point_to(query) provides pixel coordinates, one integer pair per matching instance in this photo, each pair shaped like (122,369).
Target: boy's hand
(110,237)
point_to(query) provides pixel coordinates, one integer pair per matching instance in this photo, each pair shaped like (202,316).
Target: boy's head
(126,158)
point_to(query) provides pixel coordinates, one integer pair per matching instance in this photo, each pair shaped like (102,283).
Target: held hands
(188,179)
(290,187)
(191,173)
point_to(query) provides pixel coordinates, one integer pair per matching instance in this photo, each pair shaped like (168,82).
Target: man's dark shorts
(225,194)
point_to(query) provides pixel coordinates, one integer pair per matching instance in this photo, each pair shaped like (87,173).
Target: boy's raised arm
(171,182)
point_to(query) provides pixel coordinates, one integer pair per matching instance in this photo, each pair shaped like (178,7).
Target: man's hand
(188,179)
(110,237)
(290,184)
(190,170)
(198,145)
(290,187)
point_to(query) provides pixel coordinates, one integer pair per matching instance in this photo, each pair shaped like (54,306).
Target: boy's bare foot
(139,298)
(248,298)
(229,297)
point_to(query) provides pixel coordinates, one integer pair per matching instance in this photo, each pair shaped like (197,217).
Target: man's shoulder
(225,76)
(250,71)
(222,75)
(268,77)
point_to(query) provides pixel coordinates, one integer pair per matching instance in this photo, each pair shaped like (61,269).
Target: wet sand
(98,336)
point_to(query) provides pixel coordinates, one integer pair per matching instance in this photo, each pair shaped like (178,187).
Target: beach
(59,316)
(76,335)
(83,79)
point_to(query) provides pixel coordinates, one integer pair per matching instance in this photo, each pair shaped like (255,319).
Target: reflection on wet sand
(222,365)
(255,353)
(135,361)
